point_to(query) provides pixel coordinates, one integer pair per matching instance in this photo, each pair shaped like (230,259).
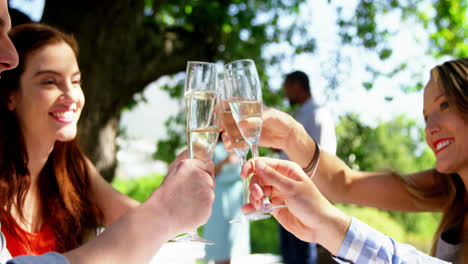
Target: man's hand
(277,128)
(186,194)
(182,156)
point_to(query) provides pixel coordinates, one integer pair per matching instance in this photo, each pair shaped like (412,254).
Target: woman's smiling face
(446,130)
(50,99)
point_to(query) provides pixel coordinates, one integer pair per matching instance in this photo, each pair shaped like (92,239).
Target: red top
(32,243)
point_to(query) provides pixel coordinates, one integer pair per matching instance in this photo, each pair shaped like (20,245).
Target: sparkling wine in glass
(202,124)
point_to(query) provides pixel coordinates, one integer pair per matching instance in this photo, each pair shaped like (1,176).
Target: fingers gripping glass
(202,119)
(244,94)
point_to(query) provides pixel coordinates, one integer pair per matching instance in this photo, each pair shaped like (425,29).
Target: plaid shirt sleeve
(363,244)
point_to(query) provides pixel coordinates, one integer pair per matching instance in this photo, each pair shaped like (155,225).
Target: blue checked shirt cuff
(363,244)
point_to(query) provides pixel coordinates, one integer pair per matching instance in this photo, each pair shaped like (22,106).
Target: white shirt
(4,253)
(319,124)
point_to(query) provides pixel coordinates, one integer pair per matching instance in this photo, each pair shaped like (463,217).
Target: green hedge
(264,236)
(139,189)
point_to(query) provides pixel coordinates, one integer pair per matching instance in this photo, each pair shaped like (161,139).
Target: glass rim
(237,61)
(201,62)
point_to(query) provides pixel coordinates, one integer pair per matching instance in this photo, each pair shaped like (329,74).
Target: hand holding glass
(244,94)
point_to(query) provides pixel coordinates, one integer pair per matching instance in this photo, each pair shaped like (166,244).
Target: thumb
(272,177)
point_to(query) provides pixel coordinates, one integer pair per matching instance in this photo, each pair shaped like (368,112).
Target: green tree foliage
(235,29)
(451,27)
(397,144)
(445,22)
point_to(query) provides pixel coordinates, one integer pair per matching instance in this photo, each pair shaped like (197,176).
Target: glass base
(191,238)
(250,217)
(260,214)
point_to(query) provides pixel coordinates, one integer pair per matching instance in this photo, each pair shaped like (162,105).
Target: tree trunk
(119,55)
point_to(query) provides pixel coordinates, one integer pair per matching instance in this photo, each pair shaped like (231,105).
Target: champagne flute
(238,143)
(244,94)
(202,119)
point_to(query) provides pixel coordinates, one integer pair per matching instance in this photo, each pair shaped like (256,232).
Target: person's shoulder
(312,104)
(322,110)
(308,106)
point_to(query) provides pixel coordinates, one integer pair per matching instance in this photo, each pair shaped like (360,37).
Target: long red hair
(64,181)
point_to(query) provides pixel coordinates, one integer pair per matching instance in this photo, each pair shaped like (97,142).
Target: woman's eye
(77,82)
(444,105)
(48,82)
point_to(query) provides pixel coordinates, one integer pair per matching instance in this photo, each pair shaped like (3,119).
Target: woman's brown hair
(64,183)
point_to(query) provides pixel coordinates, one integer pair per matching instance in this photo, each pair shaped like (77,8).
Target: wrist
(312,167)
(334,230)
(299,146)
(146,228)
(160,213)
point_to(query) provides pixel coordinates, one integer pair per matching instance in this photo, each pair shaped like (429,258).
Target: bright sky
(147,119)
(31,7)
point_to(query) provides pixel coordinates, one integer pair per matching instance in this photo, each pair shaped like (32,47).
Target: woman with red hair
(52,196)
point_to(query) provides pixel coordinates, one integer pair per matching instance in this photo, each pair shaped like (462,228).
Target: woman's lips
(442,144)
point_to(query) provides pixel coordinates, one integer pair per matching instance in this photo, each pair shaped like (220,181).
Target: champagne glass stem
(254,148)
(245,181)
(265,201)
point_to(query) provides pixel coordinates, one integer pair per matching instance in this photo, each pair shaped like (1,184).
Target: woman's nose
(8,55)
(70,93)
(432,124)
